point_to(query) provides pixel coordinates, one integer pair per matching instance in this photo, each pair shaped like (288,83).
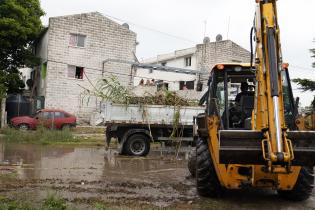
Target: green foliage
(99,206)
(50,203)
(20,25)
(41,135)
(110,89)
(53,203)
(6,204)
(305,84)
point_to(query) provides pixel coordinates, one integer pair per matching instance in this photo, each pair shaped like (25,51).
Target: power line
(150,29)
(116,73)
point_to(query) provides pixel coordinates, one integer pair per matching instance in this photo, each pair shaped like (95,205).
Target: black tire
(303,187)
(192,158)
(66,126)
(137,145)
(208,184)
(23,127)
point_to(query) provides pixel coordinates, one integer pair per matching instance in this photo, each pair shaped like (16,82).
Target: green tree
(20,25)
(307,84)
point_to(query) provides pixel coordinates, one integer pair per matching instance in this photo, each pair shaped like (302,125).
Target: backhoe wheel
(303,186)
(208,184)
(192,158)
(137,145)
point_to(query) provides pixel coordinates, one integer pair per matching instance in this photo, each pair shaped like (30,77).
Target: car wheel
(23,127)
(66,127)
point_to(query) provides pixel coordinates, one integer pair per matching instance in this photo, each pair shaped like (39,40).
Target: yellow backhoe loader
(251,139)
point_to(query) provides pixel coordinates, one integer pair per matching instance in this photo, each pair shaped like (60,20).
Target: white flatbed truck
(136,126)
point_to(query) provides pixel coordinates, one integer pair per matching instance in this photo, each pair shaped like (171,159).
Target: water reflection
(81,163)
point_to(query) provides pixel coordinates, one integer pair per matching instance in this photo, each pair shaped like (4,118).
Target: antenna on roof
(218,38)
(205,29)
(228,29)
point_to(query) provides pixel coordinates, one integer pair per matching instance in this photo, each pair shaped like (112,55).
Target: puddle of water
(84,163)
(88,174)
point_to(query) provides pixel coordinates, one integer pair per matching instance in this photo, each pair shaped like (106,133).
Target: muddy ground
(88,175)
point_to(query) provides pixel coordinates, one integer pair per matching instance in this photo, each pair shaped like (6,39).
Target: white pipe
(277,123)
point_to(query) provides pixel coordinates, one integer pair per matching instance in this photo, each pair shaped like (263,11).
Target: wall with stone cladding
(240,54)
(105,39)
(212,53)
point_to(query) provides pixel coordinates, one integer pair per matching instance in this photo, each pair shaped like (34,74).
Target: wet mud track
(85,176)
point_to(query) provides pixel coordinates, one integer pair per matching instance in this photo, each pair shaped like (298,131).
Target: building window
(188,61)
(75,72)
(77,40)
(163,63)
(186,85)
(162,86)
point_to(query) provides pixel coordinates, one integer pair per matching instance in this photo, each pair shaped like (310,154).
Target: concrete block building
(202,57)
(77,51)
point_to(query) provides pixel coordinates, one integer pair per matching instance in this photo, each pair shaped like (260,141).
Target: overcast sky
(163,26)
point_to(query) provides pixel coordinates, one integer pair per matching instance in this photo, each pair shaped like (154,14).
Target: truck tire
(208,184)
(303,187)
(192,162)
(137,145)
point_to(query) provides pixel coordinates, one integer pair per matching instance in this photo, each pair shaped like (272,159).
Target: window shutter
(73,40)
(71,71)
(81,41)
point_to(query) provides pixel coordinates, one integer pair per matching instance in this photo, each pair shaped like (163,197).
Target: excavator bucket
(245,147)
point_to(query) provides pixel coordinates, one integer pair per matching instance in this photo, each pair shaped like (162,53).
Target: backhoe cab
(252,138)
(230,152)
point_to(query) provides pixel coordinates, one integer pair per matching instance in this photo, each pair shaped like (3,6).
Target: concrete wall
(104,40)
(42,46)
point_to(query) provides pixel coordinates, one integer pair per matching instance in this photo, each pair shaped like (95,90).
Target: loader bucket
(244,147)
(303,147)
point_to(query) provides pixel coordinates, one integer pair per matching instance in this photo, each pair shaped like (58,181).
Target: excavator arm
(236,150)
(270,141)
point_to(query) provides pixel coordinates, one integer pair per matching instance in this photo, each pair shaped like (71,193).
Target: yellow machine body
(260,146)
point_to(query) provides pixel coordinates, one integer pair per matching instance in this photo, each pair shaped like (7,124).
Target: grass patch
(99,206)
(41,135)
(50,203)
(9,176)
(48,137)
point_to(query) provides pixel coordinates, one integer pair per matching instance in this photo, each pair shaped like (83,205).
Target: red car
(49,118)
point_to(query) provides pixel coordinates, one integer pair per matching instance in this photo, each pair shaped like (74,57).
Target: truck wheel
(137,145)
(192,162)
(303,186)
(208,184)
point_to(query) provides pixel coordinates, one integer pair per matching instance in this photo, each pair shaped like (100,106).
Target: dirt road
(85,176)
